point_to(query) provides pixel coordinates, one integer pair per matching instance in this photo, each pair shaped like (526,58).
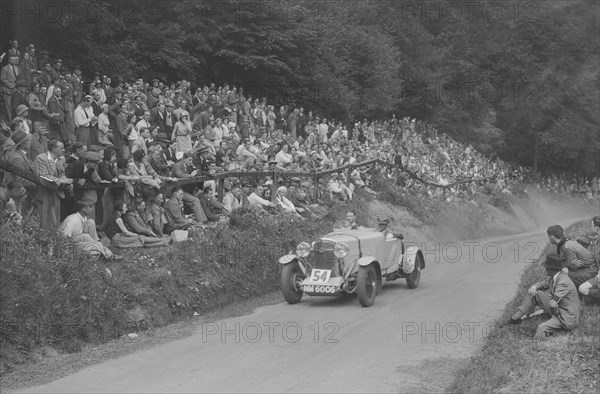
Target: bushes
(49,290)
(50,293)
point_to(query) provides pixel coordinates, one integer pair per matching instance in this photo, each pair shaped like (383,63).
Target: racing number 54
(320,276)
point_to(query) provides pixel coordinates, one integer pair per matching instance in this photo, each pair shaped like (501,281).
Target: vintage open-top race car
(347,262)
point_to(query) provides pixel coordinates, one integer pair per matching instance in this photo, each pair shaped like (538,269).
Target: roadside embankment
(54,300)
(511,361)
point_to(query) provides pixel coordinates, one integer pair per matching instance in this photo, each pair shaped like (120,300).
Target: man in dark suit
(184,169)
(8,79)
(157,117)
(120,135)
(556,295)
(57,123)
(21,162)
(19,97)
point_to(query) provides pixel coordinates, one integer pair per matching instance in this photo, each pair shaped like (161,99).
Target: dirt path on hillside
(334,345)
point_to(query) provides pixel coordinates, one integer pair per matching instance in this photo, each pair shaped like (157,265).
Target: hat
(155,80)
(383,222)
(21,108)
(179,155)
(272,162)
(554,261)
(334,175)
(19,137)
(306,184)
(246,183)
(296,179)
(76,67)
(91,156)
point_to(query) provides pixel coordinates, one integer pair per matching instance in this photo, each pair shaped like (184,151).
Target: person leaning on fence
(556,295)
(51,166)
(81,229)
(578,260)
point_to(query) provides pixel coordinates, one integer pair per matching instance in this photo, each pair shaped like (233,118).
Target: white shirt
(254,199)
(83,117)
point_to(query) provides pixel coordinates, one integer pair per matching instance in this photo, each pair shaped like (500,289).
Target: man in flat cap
(580,261)
(556,295)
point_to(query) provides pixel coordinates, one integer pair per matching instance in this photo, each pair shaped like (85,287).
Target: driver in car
(384,227)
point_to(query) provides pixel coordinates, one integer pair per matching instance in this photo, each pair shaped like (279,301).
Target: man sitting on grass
(82,231)
(556,295)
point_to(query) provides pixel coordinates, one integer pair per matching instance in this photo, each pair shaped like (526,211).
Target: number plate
(320,276)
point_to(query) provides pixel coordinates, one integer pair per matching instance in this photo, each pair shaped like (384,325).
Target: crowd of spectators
(152,134)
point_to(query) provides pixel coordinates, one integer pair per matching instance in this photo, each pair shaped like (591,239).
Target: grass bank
(510,361)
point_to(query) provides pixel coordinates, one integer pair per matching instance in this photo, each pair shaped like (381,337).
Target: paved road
(334,345)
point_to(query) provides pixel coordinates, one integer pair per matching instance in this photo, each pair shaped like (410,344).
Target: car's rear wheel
(414,278)
(291,277)
(366,286)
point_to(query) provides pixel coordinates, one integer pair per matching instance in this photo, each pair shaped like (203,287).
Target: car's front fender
(410,257)
(366,260)
(288,258)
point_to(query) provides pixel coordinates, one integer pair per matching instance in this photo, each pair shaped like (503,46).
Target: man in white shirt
(144,122)
(231,200)
(82,231)
(283,157)
(255,199)
(84,119)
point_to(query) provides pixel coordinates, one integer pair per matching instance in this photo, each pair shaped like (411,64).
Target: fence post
(220,185)
(316,182)
(348,175)
(274,186)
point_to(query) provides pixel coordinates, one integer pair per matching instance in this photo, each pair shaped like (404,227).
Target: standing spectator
(51,165)
(182,134)
(39,139)
(104,133)
(84,119)
(8,79)
(57,122)
(19,97)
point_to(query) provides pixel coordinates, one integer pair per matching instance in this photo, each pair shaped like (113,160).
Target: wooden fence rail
(276,176)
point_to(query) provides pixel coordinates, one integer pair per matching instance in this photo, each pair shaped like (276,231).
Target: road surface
(409,340)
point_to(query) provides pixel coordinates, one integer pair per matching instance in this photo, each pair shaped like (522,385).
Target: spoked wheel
(414,278)
(366,287)
(291,277)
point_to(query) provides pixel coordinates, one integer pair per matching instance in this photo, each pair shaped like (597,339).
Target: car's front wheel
(291,277)
(366,286)
(413,279)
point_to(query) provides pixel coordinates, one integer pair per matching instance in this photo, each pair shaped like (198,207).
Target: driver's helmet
(383,223)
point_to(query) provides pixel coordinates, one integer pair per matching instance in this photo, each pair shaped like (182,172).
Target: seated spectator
(232,200)
(121,237)
(284,202)
(158,215)
(255,198)
(211,213)
(578,260)
(137,168)
(339,189)
(348,224)
(81,229)
(556,295)
(135,218)
(176,219)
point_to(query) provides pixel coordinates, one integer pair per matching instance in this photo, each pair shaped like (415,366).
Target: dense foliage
(516,78)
